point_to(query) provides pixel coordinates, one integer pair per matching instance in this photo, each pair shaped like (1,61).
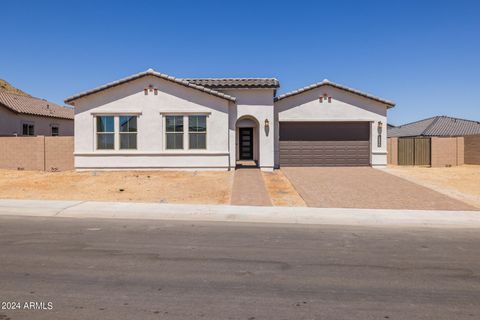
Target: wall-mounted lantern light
(267,124)
(379,137)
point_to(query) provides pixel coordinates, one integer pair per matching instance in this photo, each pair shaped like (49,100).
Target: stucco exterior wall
(256,104)
(172,98)
(447,151)
(11,123)
(343,107)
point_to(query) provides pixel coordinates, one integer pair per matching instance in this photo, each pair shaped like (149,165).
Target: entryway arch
(247,140)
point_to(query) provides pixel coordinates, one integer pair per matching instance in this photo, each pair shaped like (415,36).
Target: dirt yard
(462,183)
(193,187)
(281,191)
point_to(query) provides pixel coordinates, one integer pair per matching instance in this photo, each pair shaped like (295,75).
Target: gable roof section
(441,126)
(228,83)
(34,106)
(326,82)
(151,72)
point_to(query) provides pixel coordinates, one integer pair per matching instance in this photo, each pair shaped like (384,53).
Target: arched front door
(245,143)
(247,139)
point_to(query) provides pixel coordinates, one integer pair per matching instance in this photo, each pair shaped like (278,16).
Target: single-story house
(23,115)
(437,141)
(154,121)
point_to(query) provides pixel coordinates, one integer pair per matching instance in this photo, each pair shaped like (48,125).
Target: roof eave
(389,104)
(149,72)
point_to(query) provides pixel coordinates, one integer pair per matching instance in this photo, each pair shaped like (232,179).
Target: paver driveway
(365,188)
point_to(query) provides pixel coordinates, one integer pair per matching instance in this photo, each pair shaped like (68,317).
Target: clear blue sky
(424,55)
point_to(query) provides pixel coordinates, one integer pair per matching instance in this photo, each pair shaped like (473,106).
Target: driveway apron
(249,188)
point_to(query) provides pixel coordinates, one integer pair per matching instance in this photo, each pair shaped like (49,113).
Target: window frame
(51,130)
(28,124)
(166,132)
(197,132)
(97,133)
(116,130)
(120,133)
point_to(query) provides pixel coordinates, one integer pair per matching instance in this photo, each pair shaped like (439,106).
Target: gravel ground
(188,187)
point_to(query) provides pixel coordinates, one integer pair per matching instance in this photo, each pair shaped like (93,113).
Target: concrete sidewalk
(296,215)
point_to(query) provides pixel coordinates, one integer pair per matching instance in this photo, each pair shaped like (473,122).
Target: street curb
(226,213)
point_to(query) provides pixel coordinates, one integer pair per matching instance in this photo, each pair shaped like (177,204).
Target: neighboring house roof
(151,72)
(326,82)
(441,126)
(33,106)
(225,83)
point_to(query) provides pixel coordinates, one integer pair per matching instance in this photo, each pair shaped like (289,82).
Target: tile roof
(441,126)
(326,82)
(223,83)
(151,72)
(34,106)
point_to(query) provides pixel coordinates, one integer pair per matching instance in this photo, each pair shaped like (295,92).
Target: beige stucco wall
(172,98)
(447,151)
(36,153)
(345,106)
(11,123)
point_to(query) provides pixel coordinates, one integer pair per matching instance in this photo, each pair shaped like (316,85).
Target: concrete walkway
(292,215)
(249,188)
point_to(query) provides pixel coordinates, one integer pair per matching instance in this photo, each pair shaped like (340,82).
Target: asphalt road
(119,269)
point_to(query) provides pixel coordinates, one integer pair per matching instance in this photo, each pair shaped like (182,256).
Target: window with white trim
(174,132)
(105,133)
(128,132)
(197,132)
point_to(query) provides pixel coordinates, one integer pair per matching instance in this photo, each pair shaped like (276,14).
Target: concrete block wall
(59,153)
(36,153)
(447,151)
(472,149)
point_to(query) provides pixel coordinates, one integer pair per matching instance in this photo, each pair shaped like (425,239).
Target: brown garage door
(314,144)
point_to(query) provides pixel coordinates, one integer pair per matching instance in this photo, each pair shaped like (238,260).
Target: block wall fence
(37,153)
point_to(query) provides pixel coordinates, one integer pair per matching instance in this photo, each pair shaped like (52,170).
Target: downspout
(229,140)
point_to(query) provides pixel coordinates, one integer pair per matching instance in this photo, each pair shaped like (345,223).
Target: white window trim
(206,132)
(116,132)
(164,132)
(186,132)
(120,133)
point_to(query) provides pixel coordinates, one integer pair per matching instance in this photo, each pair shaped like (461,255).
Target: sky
(424,55)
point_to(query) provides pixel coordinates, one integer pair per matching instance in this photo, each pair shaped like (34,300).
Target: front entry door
(246,143)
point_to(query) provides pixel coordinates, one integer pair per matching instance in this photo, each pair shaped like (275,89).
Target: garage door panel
(324,144)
